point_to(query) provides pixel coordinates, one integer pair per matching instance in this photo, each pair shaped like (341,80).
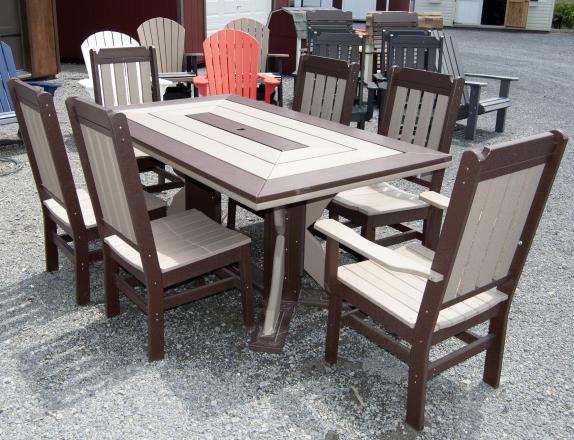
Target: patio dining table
(283,164)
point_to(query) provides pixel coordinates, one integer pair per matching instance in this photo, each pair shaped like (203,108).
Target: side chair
(64,205)
(420,109)
(423,297)
(156,255)
(127,76)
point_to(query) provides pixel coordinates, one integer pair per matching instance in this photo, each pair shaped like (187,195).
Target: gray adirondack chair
(473,105)
(271,63)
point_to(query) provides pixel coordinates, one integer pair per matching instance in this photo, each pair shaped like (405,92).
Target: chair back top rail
(329,21)
(45,147)
(226,50)
(104,40)
(497,202)
(125,75)
(450,63)
(112,176)
(326,88)
(258,31)
(168,38)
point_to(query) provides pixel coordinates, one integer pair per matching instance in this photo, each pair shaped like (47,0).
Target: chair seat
(152,203)
(178,76)
(182,239)
(140,154)
(379,199)
(400,294)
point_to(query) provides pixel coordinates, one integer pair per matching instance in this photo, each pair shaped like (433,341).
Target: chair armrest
(278,55)
(23,74)
(472,84)
(191,61)
(481,75)
(381,255)
(435,199)
(193,54)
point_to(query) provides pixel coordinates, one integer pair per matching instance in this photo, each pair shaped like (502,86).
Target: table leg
(202,198)
(284,245)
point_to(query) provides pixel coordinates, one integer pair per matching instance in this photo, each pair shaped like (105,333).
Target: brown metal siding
(79,19)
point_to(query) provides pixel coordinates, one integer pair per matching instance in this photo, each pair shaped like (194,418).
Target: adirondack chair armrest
(23,74)
(473,84)
(191,61)
(383,256)
(201,83)
(278,55)
(435,199)
(485,76)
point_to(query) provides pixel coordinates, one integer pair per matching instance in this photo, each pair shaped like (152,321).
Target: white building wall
(539,13)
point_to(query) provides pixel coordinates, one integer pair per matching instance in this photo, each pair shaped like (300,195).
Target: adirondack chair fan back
(232,64)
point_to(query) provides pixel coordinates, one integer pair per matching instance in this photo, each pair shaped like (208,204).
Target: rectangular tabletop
(266,156)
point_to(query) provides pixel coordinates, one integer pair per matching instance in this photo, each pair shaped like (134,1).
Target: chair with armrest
(423,297)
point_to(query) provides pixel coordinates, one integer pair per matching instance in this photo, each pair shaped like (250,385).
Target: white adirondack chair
(105,40)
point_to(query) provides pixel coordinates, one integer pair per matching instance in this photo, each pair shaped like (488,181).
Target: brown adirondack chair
(63,204)
(159,254)
(269,63)
(128,75)
(224,52)
(326,89)
(421,109)
(425,297)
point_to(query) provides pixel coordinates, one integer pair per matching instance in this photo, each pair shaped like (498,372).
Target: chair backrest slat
(125,76)
(232,63)
(104,40)
(258,31)
(414,51)
(6,68)
(108,181)
(168,38)
(326,88)
(341,46)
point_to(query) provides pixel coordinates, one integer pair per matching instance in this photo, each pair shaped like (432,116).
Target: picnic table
(285,165)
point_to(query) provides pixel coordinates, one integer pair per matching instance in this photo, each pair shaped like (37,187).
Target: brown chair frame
(426,82)
(156,282)
(117,55)
(322,66)
(476,166)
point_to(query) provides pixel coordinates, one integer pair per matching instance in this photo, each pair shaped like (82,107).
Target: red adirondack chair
(232,60)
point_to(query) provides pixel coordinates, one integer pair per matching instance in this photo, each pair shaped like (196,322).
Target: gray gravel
(68,372)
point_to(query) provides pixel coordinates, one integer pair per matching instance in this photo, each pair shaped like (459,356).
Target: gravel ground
(68,372)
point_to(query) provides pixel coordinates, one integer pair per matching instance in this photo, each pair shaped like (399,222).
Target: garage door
(220,12)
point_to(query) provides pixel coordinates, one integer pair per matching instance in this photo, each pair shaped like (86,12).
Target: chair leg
(50,248)
(417,387)
(333,328)
(155,322)
(231,213)
(369,231)
(246,287)
(161,177)
(431,228)
(494,354)
(500,120)
(333,215)
(82,265)
(112,292)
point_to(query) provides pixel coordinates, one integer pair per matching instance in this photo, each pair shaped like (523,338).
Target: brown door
(516,13)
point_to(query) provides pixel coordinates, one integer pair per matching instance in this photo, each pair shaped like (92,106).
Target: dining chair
(127,76)
(420,109)
(266,60)
(63,204)
(423,297)
(155,255)
(232,64)
(326,89)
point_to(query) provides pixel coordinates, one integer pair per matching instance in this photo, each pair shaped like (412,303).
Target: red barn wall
(79,19)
